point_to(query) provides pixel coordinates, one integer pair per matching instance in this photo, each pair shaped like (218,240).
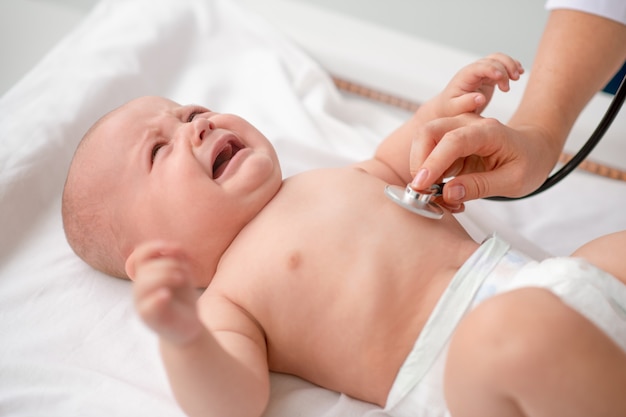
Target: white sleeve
(611,9)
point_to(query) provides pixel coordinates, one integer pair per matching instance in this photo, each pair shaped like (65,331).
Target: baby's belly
(352,281)
(354,337)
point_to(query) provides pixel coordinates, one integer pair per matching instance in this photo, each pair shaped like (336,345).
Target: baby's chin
(258,171)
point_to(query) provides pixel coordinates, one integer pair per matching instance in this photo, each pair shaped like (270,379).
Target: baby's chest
(328,242)
(310,273)
(328,227)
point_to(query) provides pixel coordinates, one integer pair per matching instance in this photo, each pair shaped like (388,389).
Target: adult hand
(485,157)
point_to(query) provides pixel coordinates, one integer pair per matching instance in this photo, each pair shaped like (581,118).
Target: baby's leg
(606,253)
(526,353)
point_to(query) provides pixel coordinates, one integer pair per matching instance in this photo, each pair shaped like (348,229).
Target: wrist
(192,335)
(430,110)
(545,146)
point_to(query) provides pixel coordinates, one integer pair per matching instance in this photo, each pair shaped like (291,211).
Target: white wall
(477,26)
(30,28)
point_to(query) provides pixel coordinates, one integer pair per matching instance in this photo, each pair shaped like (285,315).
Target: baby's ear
(130,266)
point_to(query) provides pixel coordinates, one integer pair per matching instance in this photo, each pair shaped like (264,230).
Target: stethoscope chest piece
(416,202)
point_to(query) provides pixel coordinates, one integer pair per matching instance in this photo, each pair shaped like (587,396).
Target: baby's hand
(164,296)
(471,89)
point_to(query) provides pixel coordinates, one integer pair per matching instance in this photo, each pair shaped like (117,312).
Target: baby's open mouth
(224,157)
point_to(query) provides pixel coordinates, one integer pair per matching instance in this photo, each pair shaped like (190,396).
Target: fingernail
(456,192)
(419,179)
(455,208)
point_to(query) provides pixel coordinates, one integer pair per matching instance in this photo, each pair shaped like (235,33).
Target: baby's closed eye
(155,150)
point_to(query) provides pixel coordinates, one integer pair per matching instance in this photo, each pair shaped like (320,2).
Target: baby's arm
(469,91)
(604,253)
(222,371)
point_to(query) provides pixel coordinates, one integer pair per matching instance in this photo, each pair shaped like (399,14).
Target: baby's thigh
(607,253)
(506,345)
(506,330)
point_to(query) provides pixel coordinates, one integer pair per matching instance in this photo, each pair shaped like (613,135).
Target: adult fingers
(442,143)
(477,185)
(426,139)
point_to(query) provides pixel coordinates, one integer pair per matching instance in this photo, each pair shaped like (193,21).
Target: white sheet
(70,341)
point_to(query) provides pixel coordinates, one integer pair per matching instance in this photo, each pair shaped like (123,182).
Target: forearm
(394,151)
(208,381)
(577,55)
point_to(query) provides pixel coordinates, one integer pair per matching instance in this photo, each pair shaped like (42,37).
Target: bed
(70,341)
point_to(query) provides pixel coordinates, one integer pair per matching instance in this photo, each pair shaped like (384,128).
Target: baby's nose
(201,128)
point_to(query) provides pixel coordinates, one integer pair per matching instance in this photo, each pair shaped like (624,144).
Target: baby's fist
(164,296)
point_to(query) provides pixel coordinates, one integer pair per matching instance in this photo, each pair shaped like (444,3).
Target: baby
(321,276)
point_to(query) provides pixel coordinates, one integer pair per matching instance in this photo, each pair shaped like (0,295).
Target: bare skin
(578,54)
(308,317)
(318,275)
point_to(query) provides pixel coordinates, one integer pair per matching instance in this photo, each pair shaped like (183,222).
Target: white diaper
(494,269)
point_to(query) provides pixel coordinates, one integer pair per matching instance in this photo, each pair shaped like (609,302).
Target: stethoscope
(421,202)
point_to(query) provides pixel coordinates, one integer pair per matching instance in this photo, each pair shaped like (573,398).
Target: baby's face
(183,174)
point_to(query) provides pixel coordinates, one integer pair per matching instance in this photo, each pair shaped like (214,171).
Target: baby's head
(155,170)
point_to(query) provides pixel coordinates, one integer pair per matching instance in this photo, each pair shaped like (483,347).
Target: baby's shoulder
(354,174)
